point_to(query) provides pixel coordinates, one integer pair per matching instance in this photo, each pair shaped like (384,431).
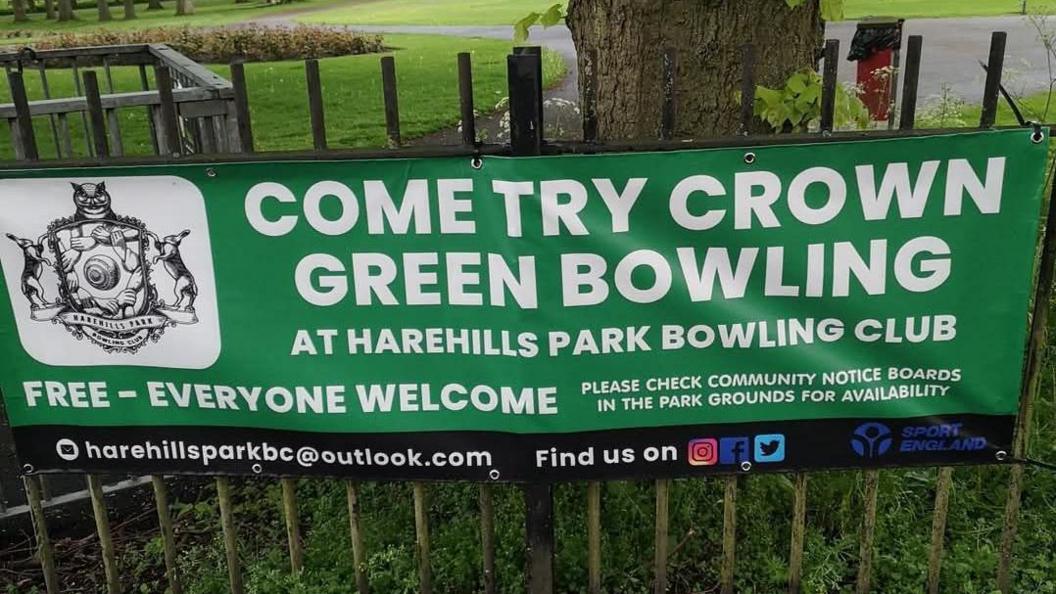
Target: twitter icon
(769,448)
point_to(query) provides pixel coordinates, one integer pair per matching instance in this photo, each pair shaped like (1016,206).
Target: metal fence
(199,118)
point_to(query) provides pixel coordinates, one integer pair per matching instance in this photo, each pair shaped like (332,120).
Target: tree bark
(154,5)
(631,36)
(104,10)
(184,7)
(49,9)
(130,9)
(18,7)
(65,10)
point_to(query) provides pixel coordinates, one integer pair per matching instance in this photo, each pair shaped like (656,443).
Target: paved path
(952,50)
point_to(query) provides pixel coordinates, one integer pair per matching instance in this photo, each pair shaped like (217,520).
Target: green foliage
(835,500)
(254,44)
(831,10)
(797,105)
(552,16)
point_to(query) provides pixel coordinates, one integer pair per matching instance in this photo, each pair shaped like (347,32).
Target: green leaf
(769,97)
(794,3)
(520,28)
(553,16)
(832,10)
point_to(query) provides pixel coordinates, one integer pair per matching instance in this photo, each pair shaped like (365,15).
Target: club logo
(106,266)
(871,440)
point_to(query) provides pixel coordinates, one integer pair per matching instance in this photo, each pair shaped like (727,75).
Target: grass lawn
(428,92)
(855,9)
(506,12)
(207,13)
(448,12)
(431,12)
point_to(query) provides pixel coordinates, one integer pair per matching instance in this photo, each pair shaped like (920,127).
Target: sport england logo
(871,440)
(116,265)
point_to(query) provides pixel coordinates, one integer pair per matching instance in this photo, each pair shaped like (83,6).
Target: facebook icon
(733,450)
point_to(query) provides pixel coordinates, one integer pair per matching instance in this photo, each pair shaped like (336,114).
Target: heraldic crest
(96,273)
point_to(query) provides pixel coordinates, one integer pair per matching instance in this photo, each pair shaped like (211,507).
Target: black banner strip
(656,452)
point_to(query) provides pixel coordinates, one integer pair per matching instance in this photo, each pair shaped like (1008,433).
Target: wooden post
(487,537)
(170,126)
(938,528)
(539,537)
(729,535)
(293,524)
(168,537)
(117,148)
(359,553)
(102,527)
(144,84)
(594,537)
(421,533)
(227,523)
(241,103)
(26,137)
(865,545)
(660,536)
(84,116)
(40,528)
(799,525)
(95,114)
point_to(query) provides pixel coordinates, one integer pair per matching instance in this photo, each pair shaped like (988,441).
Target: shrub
(256,44)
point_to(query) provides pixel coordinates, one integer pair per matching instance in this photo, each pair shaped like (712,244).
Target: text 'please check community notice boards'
(852,303)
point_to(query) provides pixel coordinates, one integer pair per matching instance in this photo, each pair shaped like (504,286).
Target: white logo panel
(110,271)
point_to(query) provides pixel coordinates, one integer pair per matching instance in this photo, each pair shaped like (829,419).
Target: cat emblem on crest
(98,274)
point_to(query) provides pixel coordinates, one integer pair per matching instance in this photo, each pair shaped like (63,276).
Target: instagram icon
(703,452)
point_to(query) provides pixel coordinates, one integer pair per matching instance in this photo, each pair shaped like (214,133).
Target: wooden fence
(196,122)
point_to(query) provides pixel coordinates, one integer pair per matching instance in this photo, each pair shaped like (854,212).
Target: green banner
(803,291)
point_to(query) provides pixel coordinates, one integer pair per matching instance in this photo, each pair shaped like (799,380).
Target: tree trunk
(104,10)
(154,5)
(631,36)
(18,7)
(65,10)
(184,7)
(49,9)
(130,9)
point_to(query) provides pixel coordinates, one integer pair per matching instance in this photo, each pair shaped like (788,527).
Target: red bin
(874,83)
(875,48)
